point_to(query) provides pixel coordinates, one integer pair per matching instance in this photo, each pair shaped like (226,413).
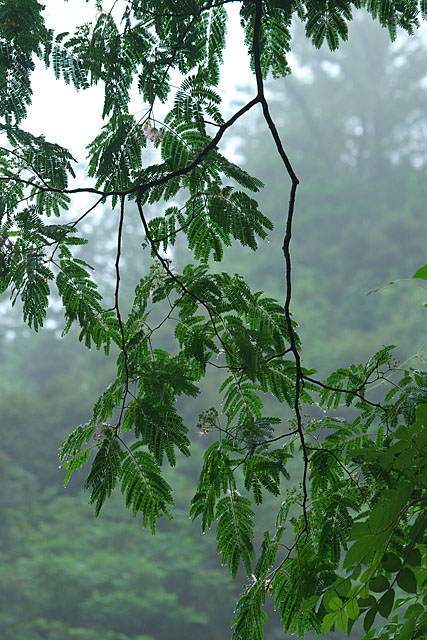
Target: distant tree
(361,201)
(355,513)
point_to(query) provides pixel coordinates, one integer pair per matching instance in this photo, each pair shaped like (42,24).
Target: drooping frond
(49,163)
(160,428)
(250,617)
(215,478)
(105,472)
(351,489)
(144,488)
(81,300)
(23,34)
(66,62)
(234,531)
(115,154)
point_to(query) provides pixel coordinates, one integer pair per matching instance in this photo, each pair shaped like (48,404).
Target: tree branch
(117,307)
(299,379)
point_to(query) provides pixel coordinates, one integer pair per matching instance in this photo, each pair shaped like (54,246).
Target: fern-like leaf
(145,489)
(235,531)
(105,472)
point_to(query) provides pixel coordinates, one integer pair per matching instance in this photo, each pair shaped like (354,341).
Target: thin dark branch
(165,264)
(299,379)
(140,189)
(213,314)
(352,392)
(86,213)
(279,355)
(185,170)
(211,5)
(343,467)
(117,306)
(244,368)
(29,166)
(184,226)
(76,222)
(225,366)
(361,386)
(284,435)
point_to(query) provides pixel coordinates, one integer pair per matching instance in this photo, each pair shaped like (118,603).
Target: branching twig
(212,313)
(343,467)
(141,189)
(353,392)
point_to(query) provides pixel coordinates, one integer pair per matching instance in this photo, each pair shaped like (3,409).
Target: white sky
(72,119)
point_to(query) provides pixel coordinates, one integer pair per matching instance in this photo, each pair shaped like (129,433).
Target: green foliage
(22,33)
(235,531)
(105,470)
(349,531)
(387,537)
(116,153)
(144,488)
(160,428)
(215,478)
(81,300)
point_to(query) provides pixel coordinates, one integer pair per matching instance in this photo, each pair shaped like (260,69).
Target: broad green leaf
(342,620)
(309,604)
(390,562)
(364,592)
(369,618)
(359,550)
(335,604)
(352,609)
(356,572)
(367,574)
(379,584)
(366,601)
(358,530)
(421,273)
(380,516)
(328,621)
(406,580)
(343,587)
(414,558)
(407,629)
(415,609)
(328,596)
(421,415)
(385,603)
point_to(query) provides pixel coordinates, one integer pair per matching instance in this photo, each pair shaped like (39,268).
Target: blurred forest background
(354,124)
